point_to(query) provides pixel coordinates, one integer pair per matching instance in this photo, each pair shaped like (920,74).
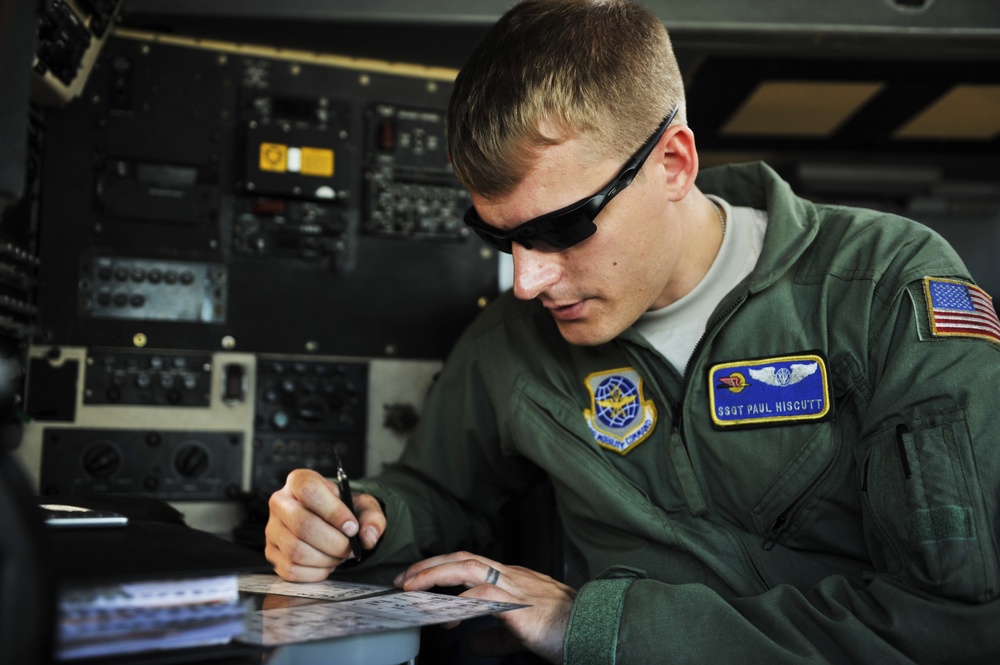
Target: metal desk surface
(383,648)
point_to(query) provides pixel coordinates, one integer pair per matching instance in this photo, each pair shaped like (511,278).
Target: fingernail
(398,580)
(370,536)
(349,529)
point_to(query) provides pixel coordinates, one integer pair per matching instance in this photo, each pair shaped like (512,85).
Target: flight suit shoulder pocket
(923,497)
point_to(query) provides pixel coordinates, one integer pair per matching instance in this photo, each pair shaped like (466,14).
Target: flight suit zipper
(678,407)
(781,522)
(678,449)
(771,537)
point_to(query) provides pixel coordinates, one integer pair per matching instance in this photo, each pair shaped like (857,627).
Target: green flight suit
(867,536)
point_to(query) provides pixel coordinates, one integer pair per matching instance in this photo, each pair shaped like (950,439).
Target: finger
(437,561)
(305,548)
(300,550)
(371,519)
(290,523)
(322,497)
(467,572)
(288,569)
(294,573)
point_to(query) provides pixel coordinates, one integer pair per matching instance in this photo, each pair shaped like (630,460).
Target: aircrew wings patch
(770,391)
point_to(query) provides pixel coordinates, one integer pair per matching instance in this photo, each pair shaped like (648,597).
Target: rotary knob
(191,460)
(101,460)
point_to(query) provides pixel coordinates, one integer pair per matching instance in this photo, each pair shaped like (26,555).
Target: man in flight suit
(768,424)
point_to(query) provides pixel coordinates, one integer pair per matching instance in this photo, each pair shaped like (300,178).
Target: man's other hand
(540,628)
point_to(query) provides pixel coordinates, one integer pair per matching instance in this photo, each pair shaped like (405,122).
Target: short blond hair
(605,68)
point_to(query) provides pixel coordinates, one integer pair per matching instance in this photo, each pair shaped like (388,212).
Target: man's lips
(566,312)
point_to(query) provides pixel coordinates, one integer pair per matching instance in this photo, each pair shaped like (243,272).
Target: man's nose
(534,271)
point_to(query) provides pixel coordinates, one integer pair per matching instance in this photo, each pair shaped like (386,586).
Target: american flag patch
(960,309)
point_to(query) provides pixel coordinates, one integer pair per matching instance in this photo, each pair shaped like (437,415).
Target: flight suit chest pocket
(794,486)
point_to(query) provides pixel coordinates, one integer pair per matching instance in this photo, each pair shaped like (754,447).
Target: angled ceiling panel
(799,108)
(966,112)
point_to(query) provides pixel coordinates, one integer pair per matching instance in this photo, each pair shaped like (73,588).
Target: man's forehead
(561,174)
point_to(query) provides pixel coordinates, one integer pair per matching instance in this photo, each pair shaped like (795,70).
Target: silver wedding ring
(492,575)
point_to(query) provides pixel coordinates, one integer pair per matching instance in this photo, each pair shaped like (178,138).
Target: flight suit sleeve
(450,487)
(928,476)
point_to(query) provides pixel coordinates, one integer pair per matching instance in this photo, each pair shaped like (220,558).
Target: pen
(345,496)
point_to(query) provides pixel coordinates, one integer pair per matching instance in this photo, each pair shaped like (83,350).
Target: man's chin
(580,332)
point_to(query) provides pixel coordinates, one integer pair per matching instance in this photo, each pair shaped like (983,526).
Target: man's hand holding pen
(310,529)
(309,534)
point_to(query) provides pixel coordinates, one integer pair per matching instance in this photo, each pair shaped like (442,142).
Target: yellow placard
(273,157)
(317,162)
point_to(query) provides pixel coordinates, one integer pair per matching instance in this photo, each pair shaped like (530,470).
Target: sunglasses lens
(544,234)
(560,233)
(499,244)
(581,228)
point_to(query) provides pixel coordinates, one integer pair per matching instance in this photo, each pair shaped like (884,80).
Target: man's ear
(679,156)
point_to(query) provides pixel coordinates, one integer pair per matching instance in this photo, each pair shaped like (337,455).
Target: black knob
(101,460)
(191,460)
(400,417)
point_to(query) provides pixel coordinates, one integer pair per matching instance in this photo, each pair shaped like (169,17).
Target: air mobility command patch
(619,416)
(769,391)
(960,309)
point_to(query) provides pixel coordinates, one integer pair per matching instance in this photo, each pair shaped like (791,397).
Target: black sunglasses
(563,228)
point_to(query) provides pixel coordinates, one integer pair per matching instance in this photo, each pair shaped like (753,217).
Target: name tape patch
(769,391)
(620,417)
